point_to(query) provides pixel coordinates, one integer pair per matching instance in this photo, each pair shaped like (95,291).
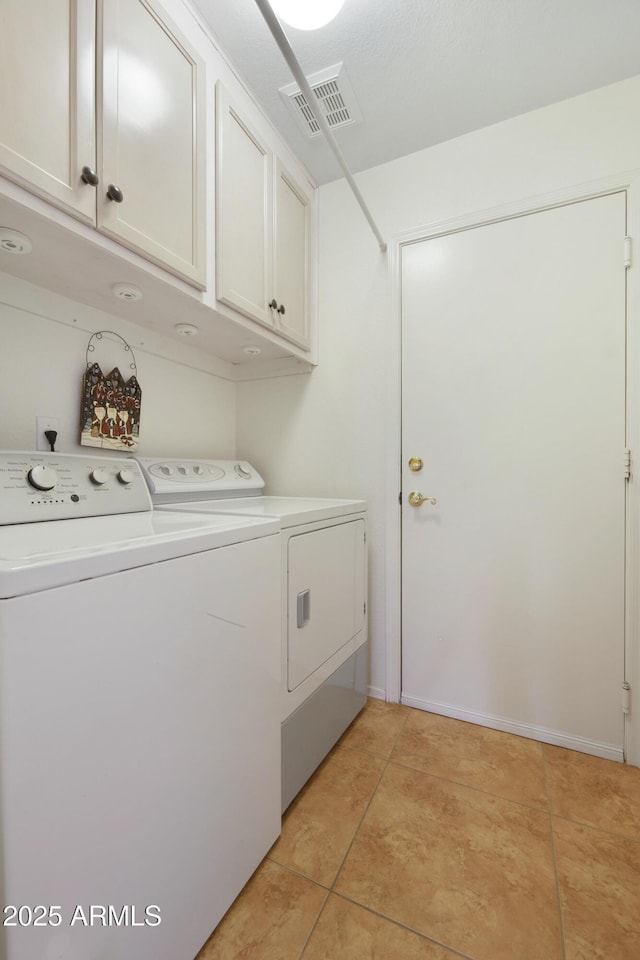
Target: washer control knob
(42,477)
(184,471)
(126,476)
(198,471)
(241,472)
(167,470)
(98,476)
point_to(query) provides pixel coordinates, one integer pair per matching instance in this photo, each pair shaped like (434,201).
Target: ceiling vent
(335,98)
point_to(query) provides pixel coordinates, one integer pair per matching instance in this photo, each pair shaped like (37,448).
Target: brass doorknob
(415,464)
(416,499)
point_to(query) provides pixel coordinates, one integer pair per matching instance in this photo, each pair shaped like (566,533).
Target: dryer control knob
(126,476)
(199,472)
(42,477)
(98,476)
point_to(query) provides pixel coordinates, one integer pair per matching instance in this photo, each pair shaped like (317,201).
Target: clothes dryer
(323,568)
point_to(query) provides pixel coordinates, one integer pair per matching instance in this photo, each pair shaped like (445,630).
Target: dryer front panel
(326,595)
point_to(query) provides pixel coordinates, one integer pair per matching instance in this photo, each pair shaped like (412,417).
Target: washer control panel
(59,486)
(181,480)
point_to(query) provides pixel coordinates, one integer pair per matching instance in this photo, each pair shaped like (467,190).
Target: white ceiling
(424,71)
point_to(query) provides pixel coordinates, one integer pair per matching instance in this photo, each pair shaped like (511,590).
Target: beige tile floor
(424,838)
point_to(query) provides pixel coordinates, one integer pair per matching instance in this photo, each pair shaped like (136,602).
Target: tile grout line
(330,889)
(356,903)
(314,925)
(598,829)
(551,789)
(627,837)
(297,873)
(389,919)
(404,926)
(467,786)
(355,833)
(554,852)
(366,809)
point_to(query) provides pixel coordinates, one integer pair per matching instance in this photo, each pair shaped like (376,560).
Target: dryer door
(326,581)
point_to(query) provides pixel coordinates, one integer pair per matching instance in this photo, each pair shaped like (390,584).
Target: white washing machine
(324,598)
(139,712)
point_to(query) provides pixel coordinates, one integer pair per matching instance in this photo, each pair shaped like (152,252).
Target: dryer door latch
(303,607)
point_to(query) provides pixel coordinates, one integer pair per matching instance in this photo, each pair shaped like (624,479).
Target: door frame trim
(629,183)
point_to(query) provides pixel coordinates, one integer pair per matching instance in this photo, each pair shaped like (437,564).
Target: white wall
(325,433)
(186,409)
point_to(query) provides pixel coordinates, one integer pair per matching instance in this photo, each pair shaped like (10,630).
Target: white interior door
(514,397)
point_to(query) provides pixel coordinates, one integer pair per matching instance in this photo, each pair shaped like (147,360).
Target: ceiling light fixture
(11,241)
(307,14)
(126,291)
(187,329)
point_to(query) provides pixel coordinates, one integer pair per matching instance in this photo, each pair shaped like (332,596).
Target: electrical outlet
(42,424)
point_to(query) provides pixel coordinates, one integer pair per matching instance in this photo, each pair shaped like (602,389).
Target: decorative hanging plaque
(110,416)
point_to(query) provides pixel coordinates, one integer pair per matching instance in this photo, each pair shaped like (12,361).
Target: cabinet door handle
(281,310)
(115,193)
(89,176)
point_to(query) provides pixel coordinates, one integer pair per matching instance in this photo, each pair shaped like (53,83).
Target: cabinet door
(47,98)
(291,257)
(243,217)
(152,114)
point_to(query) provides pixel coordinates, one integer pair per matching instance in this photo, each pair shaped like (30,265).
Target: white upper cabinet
(152,165)
(291,256)
(144,185)
(263,230)
(114,112)
(47,99)
(243,216)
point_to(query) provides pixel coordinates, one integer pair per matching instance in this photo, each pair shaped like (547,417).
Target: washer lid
(39,556)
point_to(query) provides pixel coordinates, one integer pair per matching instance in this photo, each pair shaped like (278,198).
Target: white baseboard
(533,732)
(377,693)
